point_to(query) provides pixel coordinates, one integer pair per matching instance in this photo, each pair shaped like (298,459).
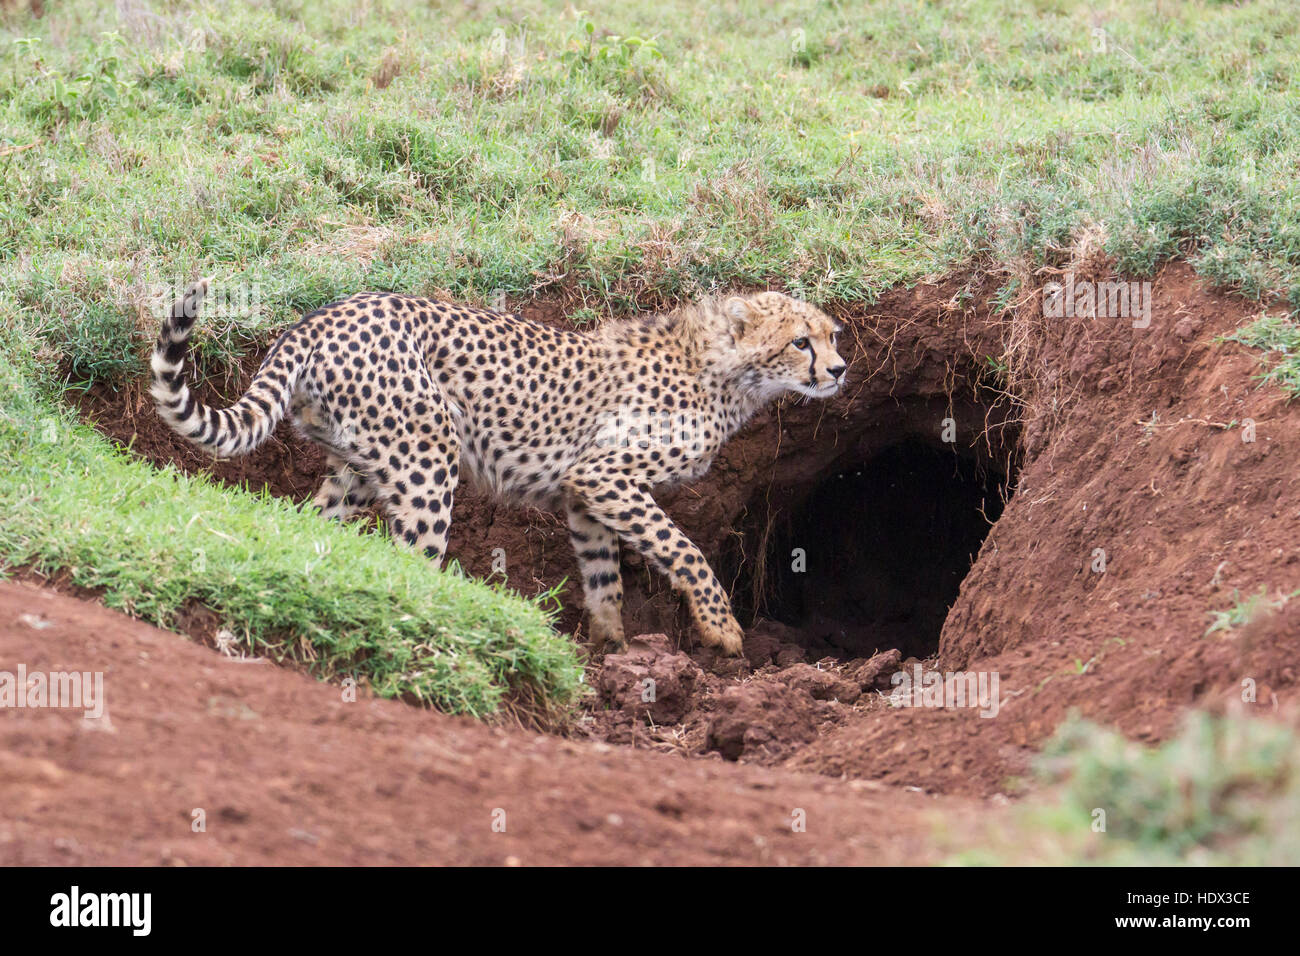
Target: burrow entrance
(870,553)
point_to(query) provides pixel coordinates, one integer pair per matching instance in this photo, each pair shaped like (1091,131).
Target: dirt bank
(1130,514)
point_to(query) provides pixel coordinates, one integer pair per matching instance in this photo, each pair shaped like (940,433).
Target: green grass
(287,584)
(624,157)
(1279,338)
(1224,792)
(516,148)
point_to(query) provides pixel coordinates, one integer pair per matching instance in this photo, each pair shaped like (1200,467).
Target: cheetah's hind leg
(345,491)
(411,459)
(596,548)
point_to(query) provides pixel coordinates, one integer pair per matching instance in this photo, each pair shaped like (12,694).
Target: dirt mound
(206,760)
(1071,540)
(656,695)
(1137,513)
(760,709)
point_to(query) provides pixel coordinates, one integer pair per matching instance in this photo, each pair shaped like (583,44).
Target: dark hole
(872,556)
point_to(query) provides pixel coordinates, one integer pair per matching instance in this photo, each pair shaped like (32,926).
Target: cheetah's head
(786,345)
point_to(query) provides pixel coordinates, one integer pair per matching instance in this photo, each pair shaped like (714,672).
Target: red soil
(1185,510)
(286,772)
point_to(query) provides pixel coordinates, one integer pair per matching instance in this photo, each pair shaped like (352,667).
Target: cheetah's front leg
(637,519)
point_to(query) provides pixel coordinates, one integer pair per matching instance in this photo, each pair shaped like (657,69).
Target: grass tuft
(1223,792)
(1279,336)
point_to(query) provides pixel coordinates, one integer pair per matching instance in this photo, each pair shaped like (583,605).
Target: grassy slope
(302,150)
(286,583)
(839,152)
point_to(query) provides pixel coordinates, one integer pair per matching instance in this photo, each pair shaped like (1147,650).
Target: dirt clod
(874,673)
(761,647)
(764,718)
(821,684)
(651,680)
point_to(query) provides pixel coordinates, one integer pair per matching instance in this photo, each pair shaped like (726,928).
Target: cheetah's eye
(800,343)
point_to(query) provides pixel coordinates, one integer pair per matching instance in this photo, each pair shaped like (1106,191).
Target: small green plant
(585,317)
(996,373)
(1279,336)
(609,48)
(24,48)
(627,60)
(1245,610)
(98,88)
(1003,300)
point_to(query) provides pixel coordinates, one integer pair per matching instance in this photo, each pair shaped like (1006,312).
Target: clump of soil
(650,680)
(761,708)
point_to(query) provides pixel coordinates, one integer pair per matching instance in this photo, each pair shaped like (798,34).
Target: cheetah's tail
(222,431)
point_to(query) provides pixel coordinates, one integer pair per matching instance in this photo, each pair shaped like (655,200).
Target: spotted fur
(404,392)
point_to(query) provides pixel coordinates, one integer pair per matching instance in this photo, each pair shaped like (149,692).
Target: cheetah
(403,392)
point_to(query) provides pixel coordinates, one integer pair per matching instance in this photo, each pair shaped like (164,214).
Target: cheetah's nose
(837,371)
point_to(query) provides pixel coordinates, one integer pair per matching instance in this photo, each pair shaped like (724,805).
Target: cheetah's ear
(740,315)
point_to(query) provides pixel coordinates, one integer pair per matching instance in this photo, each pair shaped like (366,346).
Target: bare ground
(286,772)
